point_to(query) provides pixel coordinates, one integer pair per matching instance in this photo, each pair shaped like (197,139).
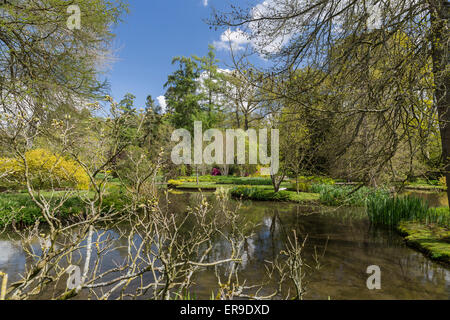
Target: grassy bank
(225,180)
(20,208)
(261,194)
(425,229)
(432,240)
(333,195)
(392,211)
(216,182)
(427,185)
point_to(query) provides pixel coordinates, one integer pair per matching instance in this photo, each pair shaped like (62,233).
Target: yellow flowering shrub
(46,170)
(174,183)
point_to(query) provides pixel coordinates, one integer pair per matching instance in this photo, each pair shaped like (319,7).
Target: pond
(434,199)
(352,245)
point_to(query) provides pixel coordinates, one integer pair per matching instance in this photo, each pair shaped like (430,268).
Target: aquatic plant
(391,211)
(333,195)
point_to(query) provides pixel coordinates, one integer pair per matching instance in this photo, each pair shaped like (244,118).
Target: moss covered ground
(432,240)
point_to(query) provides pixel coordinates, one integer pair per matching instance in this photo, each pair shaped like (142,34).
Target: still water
(352,245)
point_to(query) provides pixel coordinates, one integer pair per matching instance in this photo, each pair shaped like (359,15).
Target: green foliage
(228,180)
(193,91)
(391,211)
(305,183)
(20,208)
(257,194)
(424,182)
(439,215)
(174,183)
(333,195)
(211,86)
(181,95)
(194,179)
(45,169)
(432,240)
(245,181)
(261,194)
(51,69)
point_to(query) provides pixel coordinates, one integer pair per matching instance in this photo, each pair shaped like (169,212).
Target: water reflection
(352,245)
(435,199)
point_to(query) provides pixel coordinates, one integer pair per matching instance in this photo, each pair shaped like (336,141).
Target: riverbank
(429,188)
(261,194)
(432,240)
(19,209)
(347,237)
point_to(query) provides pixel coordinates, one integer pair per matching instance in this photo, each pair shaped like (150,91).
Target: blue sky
(152,34)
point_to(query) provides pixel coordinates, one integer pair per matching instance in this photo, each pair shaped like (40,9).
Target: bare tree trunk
(225,169)
(196,174)
(440,47)
(276,181)
(238,121)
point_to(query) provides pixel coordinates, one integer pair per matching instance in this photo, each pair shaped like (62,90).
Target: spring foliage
(45,170)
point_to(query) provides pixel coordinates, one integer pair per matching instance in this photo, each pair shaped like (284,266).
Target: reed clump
(391,211)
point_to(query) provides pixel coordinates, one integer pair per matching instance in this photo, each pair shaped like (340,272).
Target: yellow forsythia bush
(47,170)
(174,183)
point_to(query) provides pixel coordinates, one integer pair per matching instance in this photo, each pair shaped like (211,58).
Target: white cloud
(162,103)
(236,40)
(263,43)
(270,36)
(205,3)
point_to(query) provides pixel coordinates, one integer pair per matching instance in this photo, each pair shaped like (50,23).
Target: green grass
(21,208)
(305,184)
(421,186)
(227,180)
(262,194)
(333,195)
(245,181)
(392,211)
(424,184)
(303,197)
(424,228)
(330,195)
(202,185)
(216,182)
(432,240)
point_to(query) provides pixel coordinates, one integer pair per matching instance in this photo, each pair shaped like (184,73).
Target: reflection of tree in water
(353,245)
(11,256)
